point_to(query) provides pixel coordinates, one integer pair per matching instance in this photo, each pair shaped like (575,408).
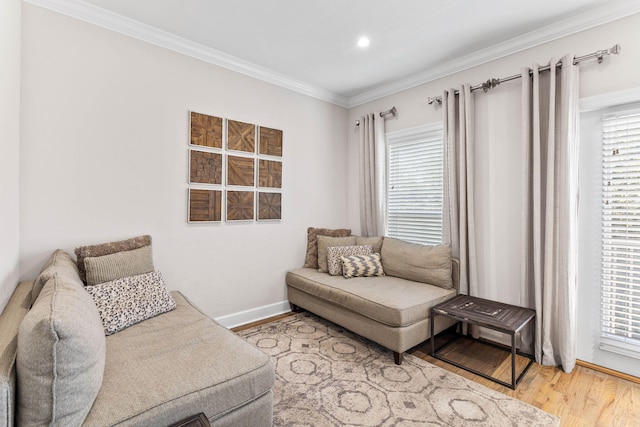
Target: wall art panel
(240,171)
(205,205)
(269,206)
(270,142)
(269,174)
(205,130)
(240,205)
(205,167)
(241,136)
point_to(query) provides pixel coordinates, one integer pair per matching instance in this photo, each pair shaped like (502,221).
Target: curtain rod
(393,111)
(491,83)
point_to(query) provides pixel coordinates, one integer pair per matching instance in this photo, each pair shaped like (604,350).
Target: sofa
(58,368)
(391,306)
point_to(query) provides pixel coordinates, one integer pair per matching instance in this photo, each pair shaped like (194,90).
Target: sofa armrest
(455,274)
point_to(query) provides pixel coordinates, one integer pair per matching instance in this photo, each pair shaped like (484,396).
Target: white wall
(498,176)
(10,11)
(104,157)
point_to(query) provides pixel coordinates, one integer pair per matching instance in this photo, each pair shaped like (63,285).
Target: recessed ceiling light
(363,42)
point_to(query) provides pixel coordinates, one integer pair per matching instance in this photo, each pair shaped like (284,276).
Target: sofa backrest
(10,320)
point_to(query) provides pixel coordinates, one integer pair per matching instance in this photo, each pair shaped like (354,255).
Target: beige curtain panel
(372,175)
(459,209)
(549,209)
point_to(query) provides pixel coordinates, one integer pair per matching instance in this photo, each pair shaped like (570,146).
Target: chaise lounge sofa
(56,369)
(392,310)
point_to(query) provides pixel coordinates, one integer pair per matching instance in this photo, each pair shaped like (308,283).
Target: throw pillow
(324,242)
(362,266)
(59,262)
(116,266)
(311,260)
(130,300)
(61,356)
(420,263)
(376,242)
(334,254)
(108,248)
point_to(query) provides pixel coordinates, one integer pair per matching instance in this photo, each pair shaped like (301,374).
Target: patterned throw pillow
(334,254)
(311,259)
(130,300)
(361,266)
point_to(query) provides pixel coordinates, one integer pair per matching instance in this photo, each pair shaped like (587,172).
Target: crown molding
(589,19)
(109,20)
(129,27)
(606,100)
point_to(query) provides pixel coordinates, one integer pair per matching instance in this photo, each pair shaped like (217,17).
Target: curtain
(372,175)
(459,211)
(550,205)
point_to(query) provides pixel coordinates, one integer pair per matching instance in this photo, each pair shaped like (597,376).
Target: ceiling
(312,44)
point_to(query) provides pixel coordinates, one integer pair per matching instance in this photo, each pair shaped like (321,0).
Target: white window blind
(620,292)
(415,185)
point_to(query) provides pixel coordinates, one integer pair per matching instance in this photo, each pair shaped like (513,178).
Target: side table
(506,318)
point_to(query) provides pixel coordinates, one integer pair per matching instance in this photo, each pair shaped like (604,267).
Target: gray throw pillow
(362,266)
(105,268)
(61,356)
(324,242)
(420,263)
(334,253)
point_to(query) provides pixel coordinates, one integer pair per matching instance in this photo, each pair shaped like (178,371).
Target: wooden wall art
(241,136)
(240,171)
(269,174)
(240,205)
(205,130)
(269,206)
(270,142)
(236,169)
(205,205)
(205,167)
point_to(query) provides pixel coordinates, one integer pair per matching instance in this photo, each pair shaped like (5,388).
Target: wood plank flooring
(583,398)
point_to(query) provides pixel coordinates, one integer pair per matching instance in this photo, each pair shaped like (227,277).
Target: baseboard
(253,315)
(608,371)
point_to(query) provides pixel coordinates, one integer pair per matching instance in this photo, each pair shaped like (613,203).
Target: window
(620,291)
(415,184)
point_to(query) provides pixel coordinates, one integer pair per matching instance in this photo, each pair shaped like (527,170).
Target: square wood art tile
(269,174)
(241,136)
(240,171)
(205,167)
(269,206)
(270,142)
(206,130)
(240,205)
(205,205)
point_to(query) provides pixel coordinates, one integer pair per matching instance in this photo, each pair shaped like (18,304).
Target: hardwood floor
(583,398)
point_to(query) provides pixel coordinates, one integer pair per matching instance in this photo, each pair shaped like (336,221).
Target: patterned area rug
(328,376)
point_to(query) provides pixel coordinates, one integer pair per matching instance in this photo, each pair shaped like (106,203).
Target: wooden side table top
(198,420)
(483,312)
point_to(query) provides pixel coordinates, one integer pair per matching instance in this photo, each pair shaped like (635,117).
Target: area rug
(328,376)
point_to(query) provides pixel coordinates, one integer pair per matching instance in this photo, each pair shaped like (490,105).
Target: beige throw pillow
(121,264)
(59,262)
(375,242)
(311,259)
(324,242)
(108,248)
(61,356)
(420,263)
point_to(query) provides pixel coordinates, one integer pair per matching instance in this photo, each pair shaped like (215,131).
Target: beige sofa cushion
(59,262)
(375,242)
(421,263)
(110,267)
(10,320)
(61,356)
(389,300)
(324,242)
(218,372)
(311,259)
(108,248)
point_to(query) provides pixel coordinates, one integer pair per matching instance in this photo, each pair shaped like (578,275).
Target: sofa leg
(397,357)
(295,308)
